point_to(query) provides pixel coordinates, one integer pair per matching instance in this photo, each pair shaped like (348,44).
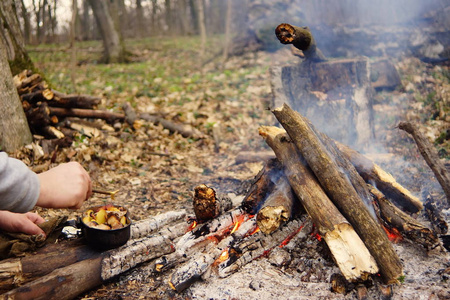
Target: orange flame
(393,234)
(289,238)
(255,231)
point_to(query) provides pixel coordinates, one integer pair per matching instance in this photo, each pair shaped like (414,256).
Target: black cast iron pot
(102,239)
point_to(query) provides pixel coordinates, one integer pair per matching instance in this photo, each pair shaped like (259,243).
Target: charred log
(372,173)
(262,185)
(207,205)
(301,38)
(430,155)
(277,208)
(437,221)
(341,192)
(393,218)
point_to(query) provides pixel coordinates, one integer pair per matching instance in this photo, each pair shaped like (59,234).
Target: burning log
(430,155)
(184,276)
(372,173)
(206,204)
(277,208)
(434,215)
(302,39)
(262,185)
(341,192)
(72,280)
(258,245)
(393,218)
(349,252)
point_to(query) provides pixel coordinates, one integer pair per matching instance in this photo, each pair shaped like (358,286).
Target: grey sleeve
(19,186)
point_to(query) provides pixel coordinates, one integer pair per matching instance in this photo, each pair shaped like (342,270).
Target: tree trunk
(140,19)
(202,26)
(114,51)
(26,22)
(13,39)
(14,130)
(86,22)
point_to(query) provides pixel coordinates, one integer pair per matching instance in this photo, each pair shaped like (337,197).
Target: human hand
(24,223)
(65,186)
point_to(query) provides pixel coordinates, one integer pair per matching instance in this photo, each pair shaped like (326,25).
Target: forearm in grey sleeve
(19,186)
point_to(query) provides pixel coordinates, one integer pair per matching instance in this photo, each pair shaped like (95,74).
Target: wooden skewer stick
(110,193)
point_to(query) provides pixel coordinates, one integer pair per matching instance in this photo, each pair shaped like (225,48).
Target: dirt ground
(156,170)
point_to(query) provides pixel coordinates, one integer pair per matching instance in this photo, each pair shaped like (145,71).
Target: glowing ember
(289,238)
(393,234)
(224,256)
(193,225)
(317,236)
(236,226)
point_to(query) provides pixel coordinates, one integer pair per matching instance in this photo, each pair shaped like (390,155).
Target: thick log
(35,97)
(372,173)
(334,180)
(86,113)
(301,38)
(262,185)
(277,208)
(393,217)
(430,155)
(349,252)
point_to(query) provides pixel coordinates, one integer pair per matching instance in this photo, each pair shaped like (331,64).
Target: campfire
(313,189)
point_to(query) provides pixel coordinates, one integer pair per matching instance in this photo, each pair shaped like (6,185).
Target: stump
(335,95)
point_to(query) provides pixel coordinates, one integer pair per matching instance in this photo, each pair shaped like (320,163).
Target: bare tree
(113,49)
(202,26)
(14,129)
(26,22)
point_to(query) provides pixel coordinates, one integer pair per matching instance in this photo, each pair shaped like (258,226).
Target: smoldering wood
(258,244)
(277,208)
(207,204)
(409,228)
(184,129)
(341,192)
(185,275)
(148,226)
(349,251)
(262,185)
(372,173)
(339,284)
(302,39)
(434,214)
(430,155)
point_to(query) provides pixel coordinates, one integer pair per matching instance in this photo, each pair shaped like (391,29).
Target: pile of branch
(46,108)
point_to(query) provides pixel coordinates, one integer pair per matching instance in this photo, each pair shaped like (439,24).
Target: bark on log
(393,217)
(73,101)
(278,207)
(341,192)
(262,185)
(86,113)
(430,155)
(349,252)
(301,38)
(372,173)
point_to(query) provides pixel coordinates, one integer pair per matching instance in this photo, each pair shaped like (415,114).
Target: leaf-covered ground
(156,170)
